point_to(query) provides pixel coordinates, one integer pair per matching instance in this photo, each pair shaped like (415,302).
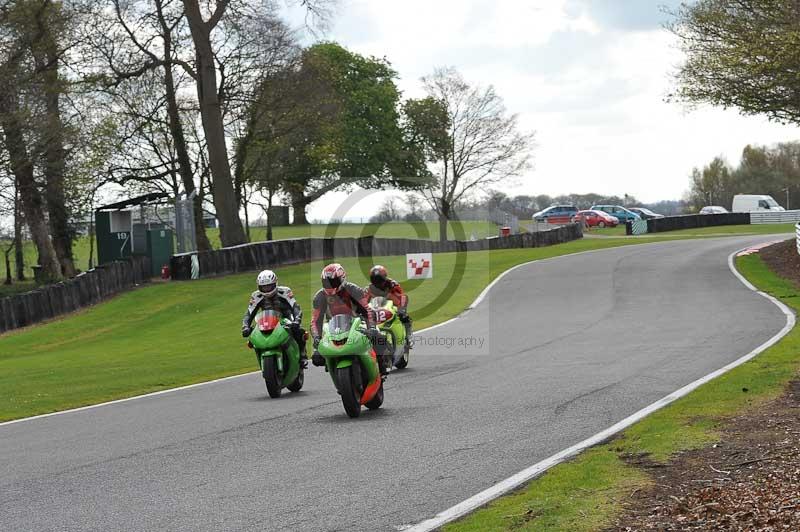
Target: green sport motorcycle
(352,364)
(277,352)
(393,329)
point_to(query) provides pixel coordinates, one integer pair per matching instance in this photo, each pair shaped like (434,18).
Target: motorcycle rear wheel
(271,378)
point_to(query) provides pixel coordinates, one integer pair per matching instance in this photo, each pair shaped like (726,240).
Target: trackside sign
(419,266)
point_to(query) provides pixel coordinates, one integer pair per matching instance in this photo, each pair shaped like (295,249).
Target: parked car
(645,214)
(620,213)
(596,219)
(754,203)
(556,211)
(713,209)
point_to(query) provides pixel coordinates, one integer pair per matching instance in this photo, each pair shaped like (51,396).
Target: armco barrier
(248,257)
(780,217)
(86,289)
(797,236)
(693,221)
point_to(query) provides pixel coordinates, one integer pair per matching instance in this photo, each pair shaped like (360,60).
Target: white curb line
(503,487)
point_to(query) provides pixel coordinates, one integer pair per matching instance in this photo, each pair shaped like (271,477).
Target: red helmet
(378,276)
(333,278)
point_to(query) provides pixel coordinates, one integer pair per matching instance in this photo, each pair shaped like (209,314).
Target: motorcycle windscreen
(339,326)
(268,321)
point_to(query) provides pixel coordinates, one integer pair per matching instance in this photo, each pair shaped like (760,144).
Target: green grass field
(421,230)
(177,333)
(587,492)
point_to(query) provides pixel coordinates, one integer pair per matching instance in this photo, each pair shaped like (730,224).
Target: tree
(48,28)
(484,145)
(342,127)
(19,31)
(740,54)
(230,226)
(389,211)
(713,185)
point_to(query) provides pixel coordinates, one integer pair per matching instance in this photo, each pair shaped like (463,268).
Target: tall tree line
(771,170)
(217,100)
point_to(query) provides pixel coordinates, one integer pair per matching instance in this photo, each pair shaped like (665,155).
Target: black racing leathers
(285,304)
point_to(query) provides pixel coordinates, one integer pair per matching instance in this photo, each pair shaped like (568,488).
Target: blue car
(621,213)
(556,212)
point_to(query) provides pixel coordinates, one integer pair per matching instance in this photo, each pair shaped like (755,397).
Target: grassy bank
(586,493)
(172,334)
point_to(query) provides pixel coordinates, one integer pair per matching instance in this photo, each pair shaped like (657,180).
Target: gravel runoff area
(749,480)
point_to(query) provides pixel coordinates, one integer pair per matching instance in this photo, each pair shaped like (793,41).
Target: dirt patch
(750,480)
(784,260)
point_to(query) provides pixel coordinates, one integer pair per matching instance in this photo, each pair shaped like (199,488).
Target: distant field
(421,230)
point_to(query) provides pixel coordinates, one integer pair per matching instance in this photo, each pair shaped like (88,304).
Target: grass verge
(587,492)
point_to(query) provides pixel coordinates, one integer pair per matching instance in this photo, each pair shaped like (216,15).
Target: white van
(754,202)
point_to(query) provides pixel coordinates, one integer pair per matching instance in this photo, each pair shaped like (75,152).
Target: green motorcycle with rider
(352,363)
(277,352)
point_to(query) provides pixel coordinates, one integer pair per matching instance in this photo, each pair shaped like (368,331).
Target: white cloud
(590,76)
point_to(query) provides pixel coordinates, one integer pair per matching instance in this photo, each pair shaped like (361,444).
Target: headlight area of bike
(268,322)
(339,329)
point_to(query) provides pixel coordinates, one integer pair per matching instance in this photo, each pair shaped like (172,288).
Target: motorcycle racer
(339,296)
(270,296)
(381,285)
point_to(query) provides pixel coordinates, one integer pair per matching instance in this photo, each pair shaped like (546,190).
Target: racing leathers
(286,305)
(393,291)
(352,300)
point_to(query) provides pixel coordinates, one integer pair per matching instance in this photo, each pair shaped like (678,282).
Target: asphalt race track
(569,347)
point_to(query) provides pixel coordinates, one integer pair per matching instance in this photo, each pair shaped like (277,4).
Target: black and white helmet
(267,283)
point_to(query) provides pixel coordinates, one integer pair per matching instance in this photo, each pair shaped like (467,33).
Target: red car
(596,219)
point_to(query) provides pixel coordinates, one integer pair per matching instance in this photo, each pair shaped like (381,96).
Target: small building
(122,230)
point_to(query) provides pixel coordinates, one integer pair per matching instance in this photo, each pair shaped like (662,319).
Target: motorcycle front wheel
(271,378)
(297,384)
(350,389)
(377,401)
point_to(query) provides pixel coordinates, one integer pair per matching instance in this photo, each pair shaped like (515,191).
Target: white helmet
(267,283)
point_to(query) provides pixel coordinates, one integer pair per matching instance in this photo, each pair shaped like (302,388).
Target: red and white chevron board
(419,266)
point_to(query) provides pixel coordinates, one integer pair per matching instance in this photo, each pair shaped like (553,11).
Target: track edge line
(501,488)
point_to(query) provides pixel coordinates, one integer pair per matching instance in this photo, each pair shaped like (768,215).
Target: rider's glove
(246,332)
(294,326)
(372,333)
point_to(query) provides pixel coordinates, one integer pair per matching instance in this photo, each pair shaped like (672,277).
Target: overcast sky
(588,76)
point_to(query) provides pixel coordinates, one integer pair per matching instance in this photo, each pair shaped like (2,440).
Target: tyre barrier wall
(256,256)
(86,289)
(693,221)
